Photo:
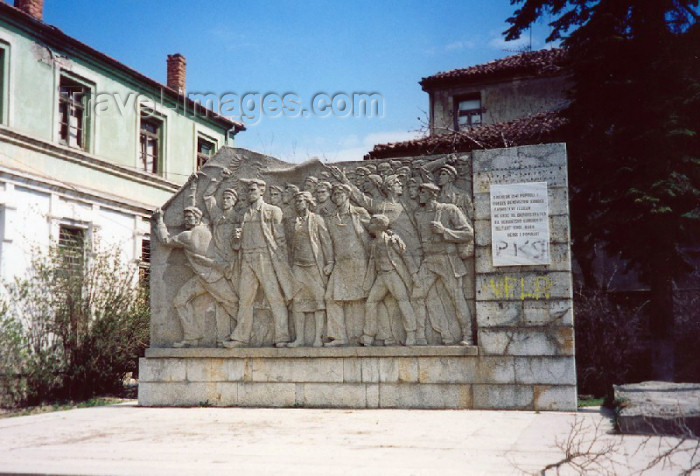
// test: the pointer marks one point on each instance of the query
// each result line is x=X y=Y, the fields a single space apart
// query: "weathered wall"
x=30 y=107
x=525 y=313
x=502 y=101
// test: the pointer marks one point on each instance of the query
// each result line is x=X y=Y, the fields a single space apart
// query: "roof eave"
x=59 y=39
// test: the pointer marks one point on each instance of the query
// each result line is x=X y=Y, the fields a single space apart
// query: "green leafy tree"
x=71 y=327
x=633 y=137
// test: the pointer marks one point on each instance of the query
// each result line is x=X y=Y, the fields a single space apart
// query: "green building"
x=88 y=146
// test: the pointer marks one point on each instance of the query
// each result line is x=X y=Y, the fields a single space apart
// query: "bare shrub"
x=610 y=341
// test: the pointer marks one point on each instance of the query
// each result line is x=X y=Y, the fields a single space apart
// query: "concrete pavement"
x=126 y=439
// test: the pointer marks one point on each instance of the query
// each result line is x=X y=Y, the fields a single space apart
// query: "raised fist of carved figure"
x=438 y=227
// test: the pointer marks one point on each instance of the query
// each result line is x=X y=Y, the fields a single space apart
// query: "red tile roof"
x=533 y=63
x=534 y=129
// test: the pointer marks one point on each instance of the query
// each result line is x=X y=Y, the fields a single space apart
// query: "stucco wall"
x=502 y=101
x=33 y=74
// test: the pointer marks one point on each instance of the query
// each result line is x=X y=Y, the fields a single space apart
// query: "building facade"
x=496 y=92
x=88 y=146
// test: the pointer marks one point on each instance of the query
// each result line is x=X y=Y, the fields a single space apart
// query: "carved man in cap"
x=449 y=193
x=264 y=263
x=442 y=227
x=344 y=294
x=324 y=204
x=388 y=273
x=208 y=277
x=224 y=221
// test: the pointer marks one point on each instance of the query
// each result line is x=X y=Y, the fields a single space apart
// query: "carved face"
x=255 y=191
x=228 y=201
x=339 y=197
x=444 y=177
x=322 y=194
x=275 y=196
x=426 y=195
x=309 y=185
x=287 y=195
x=190 y=219
x=301 y=205
x=384 y=168
x=396 y=188
x=368 y=187
x=413 y=190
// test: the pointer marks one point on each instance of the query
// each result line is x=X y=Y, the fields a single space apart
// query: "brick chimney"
x=177 y=67
x=34 y=8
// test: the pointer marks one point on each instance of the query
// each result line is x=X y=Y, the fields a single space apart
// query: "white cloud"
x=501 y=44
x=460 y=45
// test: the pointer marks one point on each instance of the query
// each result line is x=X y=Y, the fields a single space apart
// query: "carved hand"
x=338 y=174
x=157 y=214
x=328 y=269
x=438 y=227
x=226 y=172
x=398 y=244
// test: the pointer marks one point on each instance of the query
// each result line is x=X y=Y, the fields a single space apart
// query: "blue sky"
x=305 y=48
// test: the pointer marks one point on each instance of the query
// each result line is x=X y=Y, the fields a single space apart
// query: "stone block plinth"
x=347 y=377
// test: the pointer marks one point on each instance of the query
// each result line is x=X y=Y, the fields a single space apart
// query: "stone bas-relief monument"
x=365 y=284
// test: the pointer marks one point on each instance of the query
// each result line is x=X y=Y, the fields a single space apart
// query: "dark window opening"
x=205 y=149
x=71 y=246
x=72 y=98
x=468 y=112
x=2 y=86
x=145 y=263
x=150 y=144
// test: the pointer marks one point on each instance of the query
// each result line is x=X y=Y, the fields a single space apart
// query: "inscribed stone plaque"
x=519 y=224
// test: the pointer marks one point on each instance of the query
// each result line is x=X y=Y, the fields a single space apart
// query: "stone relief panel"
x=253 y=251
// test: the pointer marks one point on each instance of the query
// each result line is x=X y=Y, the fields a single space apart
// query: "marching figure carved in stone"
x=310 y=184
x=264 y=263
x=388 y=273
x=224 y=221
x=450 y=193
x=385 y=198
x=276 y=193
x=442 y=227
x=324 y=204
x=208 y=278
x=350 y=240
x=289 y=214
x=312 y=262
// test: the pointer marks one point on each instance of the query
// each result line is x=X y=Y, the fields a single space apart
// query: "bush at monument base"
x=71 y=328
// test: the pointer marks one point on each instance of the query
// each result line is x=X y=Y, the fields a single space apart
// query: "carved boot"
x=186 y=343
x=410 y=338
x=299 y=329
x=335 y=343
x=234 y=344
x=366 y=340
x=467 y=340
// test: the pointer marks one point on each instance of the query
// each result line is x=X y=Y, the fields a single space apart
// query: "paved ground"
x=126 y=439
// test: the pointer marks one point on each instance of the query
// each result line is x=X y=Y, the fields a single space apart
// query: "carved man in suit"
x=312 y=262
x=264 y=263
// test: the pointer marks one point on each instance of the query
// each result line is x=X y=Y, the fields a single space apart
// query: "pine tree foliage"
x=633 y=125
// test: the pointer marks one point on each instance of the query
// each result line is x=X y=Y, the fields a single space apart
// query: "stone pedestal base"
x=346 y=377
